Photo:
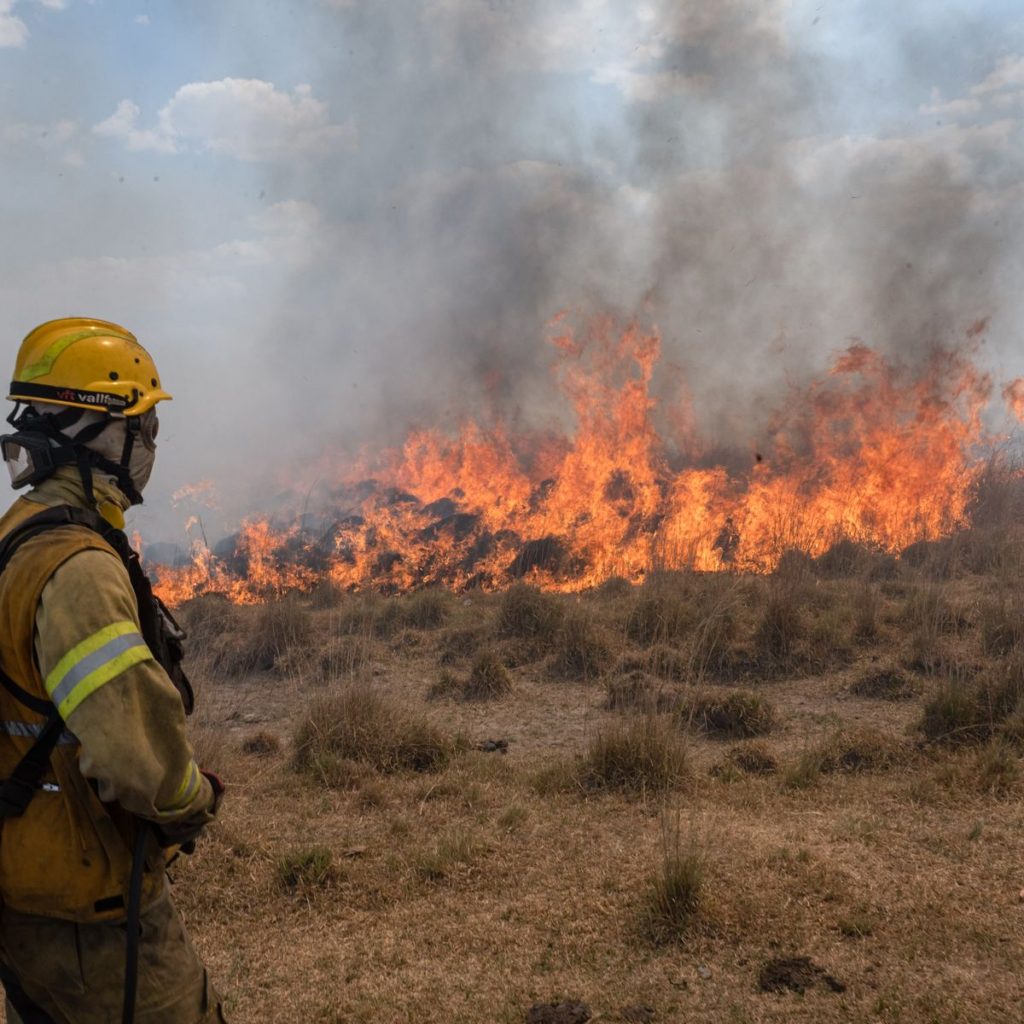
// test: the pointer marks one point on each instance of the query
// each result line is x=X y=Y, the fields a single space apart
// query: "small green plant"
x=306 y=870
x=457 y=849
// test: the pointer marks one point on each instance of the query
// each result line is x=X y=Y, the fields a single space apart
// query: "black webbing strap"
x=18 y=789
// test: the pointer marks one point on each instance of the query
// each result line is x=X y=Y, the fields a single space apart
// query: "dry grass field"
x=709 y=798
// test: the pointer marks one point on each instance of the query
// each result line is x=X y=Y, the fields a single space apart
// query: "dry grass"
x=737 y=714
x=643 y=754
x=357 y=725
x=580 y=652
x=495 y=881
x=488 y=678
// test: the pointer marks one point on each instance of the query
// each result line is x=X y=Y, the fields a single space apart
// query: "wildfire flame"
x=871 y=451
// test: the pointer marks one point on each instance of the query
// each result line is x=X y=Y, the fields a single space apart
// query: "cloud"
x=13 y=31
x=952 y=109
x=247 y=119
x=1009 y=74
x=142 y=19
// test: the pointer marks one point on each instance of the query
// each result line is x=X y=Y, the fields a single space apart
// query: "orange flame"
x=870 y=451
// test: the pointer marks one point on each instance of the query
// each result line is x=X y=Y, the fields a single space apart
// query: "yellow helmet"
x=86 y=364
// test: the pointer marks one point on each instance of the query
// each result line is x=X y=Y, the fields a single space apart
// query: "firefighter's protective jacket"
x=69 y=632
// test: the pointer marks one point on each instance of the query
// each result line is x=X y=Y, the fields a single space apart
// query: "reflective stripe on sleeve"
x=32 y=730
x=190 y=784
x=93 y=662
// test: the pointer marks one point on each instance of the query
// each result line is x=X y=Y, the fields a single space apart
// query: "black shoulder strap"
x=17 y=791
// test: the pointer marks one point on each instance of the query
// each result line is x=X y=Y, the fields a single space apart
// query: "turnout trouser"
x=59 y=972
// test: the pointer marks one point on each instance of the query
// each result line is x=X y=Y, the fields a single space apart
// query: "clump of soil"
x=565 y=1012
x=795 y=974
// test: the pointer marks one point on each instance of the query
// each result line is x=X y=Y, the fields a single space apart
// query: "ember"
x=871 y=452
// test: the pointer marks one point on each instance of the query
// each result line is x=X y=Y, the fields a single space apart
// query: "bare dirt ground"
x=500 y=888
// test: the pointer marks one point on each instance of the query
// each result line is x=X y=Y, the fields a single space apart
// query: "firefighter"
x=101 y=785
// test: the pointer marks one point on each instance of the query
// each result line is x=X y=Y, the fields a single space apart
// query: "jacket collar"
x=65 y=488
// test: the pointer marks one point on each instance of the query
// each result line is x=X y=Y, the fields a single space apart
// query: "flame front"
x=871 y=452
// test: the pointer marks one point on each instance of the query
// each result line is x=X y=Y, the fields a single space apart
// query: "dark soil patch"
x=795 y=974
x=565 y=1012
x=885 y=684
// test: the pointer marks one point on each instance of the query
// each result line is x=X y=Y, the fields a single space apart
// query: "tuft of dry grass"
x=644 y=754
x=261 y=744
x=280 y=628
x=636 y=690
x=488 y=678
x=658 y=616
x=885 y=683
x=580 y=652
x=781 y=625
x=976 y=709
x=752 y=758
x=357 y=725
x=529 y=614
x=737 y=714
x=673 y=895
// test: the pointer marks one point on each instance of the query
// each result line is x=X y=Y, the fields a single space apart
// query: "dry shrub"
x=360 y=726
x=614 y=588
x=219 y=634
x=887 y=683
x=208 y=617
x=448 y=685
x=738 y=714
x=673 y=895
x=488 y=678
x=306 y=870
x=261 y=744
x=580 y=651
x=843 y=560
x=795 y=567
x=643 y=754
x=714 y=631
x=829 y=639
x=658 y=616
x=280 y=627
x=529 y=614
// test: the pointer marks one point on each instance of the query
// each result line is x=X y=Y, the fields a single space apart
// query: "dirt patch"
x=565 y=1012
x=795 y=974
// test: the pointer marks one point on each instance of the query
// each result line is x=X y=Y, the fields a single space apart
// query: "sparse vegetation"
x=488 y=678
x=580 y=652
x=529 y=614
x=306 y=870
x=674 y=893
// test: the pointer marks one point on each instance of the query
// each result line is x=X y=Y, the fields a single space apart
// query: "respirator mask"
x=121 y=447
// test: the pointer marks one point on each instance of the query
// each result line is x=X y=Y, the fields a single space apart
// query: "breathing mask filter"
x=121 y=447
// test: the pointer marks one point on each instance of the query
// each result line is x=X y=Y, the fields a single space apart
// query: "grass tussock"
x=304 y=871
x=529 y=614
x=421 y=610
x=658 y=616
x=488 y=678
x=451 y=853
x=781 y=625
x=280 y=628
x=457 y=645
x=261 y=744
x=644 y=754
x=752 y=758
x=359 y=727
x=1002 y=625
x=972 y=710
x=580 y=652
x=637 y=691
x=885 y=683
x=673 y=897
x=738 y=714
x=845 y=752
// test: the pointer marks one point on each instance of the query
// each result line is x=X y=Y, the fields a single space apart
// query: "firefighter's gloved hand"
x=182 y=835
x=217 y=785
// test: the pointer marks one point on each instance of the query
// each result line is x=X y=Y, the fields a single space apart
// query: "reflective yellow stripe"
x=42 y=366
x=186 y=791
x=95 y=661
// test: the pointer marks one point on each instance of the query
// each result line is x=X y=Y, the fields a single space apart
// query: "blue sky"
x=330 y=219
